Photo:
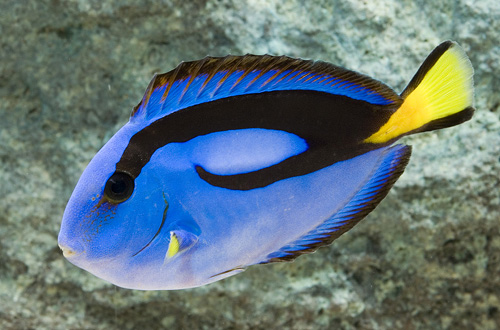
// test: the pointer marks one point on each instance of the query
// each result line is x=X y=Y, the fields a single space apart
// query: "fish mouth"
x=159 y=229
x=71 y=252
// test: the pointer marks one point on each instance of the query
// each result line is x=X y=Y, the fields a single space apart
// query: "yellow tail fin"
x=439 y=95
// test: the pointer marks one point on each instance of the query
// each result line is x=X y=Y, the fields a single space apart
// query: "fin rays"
x=213 y=78
x=391 y=167
x=440 y=95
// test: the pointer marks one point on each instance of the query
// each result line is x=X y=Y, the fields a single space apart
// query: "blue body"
x=222 y=230
x=237 y=228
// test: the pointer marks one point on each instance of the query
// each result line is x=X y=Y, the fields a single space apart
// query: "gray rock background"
x=70 y=72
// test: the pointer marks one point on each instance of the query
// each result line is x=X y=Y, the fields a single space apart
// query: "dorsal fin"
x=392 y=166
x=213 y=78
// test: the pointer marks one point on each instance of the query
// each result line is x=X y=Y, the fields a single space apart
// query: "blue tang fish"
x=233 y=161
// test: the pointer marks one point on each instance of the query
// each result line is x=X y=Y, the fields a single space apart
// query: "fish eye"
x=119 y=187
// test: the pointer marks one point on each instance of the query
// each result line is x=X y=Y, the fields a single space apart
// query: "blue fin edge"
x=365 y=200
x=213 y=78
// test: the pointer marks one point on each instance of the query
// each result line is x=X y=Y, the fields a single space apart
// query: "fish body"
x=242 y=160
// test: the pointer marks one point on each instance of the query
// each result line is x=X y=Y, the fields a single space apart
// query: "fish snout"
x=71 y=251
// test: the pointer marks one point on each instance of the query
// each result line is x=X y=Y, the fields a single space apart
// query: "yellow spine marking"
x=173 y=246
x=446 y=89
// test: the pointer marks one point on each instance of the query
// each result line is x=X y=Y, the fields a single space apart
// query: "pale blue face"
x=95 y=232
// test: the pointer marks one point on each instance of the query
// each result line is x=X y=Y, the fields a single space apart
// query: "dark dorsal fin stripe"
x=213 y=78
x=333 y=126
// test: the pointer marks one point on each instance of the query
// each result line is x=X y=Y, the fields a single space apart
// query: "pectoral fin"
x=180 y=240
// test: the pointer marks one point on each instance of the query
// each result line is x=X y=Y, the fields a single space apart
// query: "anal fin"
x=363 y=202
x=229 y=272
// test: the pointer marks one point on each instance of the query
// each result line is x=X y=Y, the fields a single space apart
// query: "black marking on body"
x=333 y=126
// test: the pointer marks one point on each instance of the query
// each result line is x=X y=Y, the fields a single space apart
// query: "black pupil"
x=119 y=187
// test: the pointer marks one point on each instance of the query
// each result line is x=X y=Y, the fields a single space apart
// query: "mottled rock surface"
x=70 y=72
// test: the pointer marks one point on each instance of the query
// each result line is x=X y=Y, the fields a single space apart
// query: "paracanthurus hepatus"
x=233 y=161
